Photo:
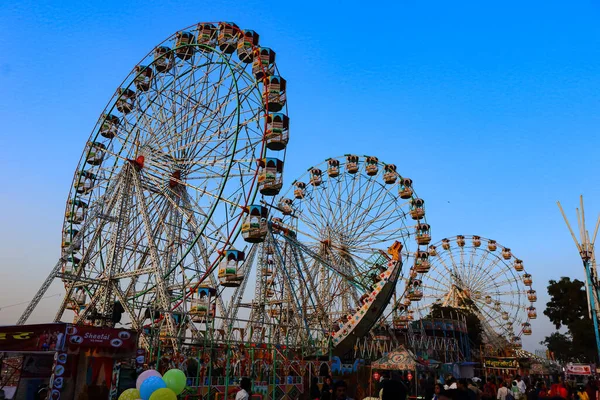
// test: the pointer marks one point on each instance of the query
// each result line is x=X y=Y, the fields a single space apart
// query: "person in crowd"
x=315 y=392
x=540 y=390
x=581 y=393
x=438 y=389
x=503 y=392
x=475 y=389
x=327 y=389
x=490 y=389
x=393 y=389
x=339 y=390
x=559 y=389
x=590 y=389
x=521 y=385
x=515 y=391
x=245 y=392
x=463 y=392
x=450 y=383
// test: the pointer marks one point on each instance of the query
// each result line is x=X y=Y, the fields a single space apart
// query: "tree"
x=568 y=308
x=560 y=345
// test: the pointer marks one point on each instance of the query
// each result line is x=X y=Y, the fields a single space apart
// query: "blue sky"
x=492 y=110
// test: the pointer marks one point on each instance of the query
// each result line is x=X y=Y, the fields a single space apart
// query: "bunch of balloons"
x=150 y=385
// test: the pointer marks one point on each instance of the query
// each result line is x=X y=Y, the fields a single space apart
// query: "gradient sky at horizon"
x=492 y=110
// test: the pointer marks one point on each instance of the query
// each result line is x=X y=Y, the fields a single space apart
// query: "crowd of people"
x=514 y=389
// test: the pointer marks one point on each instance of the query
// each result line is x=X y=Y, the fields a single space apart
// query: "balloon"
x=151 y=385
x=163 y=394
x=175 y=380
x=146 y=374
x=130 y=394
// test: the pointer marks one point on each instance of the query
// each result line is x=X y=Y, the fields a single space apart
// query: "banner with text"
x=501 y=363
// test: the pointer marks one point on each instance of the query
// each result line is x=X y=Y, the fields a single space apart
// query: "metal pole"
x=593 y=299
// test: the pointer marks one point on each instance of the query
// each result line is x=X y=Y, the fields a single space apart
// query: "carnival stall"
x=64 y=359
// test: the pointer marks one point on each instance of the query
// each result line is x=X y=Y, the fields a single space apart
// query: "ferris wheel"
x=478 y=275
x=169 y=176
x=338 y=221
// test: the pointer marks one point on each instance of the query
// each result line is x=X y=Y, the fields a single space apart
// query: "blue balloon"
x=151 y=385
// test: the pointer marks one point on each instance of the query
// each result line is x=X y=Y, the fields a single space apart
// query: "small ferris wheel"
x=478 y=275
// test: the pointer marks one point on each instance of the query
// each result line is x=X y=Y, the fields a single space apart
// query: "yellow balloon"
x=130 y=394
x=163 y=394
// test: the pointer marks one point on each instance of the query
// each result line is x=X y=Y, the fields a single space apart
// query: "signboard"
x=107 y=340
x=579 y=369
x=501 y=363
x=31 y=338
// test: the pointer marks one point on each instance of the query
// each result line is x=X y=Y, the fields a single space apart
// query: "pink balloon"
x=145 y=375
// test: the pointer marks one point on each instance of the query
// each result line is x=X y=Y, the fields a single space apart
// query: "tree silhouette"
x=568 y=308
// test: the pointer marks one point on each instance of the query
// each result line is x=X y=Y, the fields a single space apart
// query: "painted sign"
x=501 y=363
x=106 y=339
x=579 y=369
x=30 y=338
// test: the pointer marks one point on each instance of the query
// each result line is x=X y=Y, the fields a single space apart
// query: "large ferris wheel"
x=168 y=177
x=478 y=275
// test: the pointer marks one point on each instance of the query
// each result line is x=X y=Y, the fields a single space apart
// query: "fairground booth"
x=63 y=360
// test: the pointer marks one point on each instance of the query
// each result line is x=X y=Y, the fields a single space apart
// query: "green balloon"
x=163 y=394
x=130 y=394
x=175 y=380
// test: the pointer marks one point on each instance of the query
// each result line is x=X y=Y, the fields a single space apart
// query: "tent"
x=398 y=360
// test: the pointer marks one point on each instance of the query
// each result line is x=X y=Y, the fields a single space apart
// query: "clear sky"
x=491 y=107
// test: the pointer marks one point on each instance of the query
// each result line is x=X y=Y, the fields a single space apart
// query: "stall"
x=66 y=361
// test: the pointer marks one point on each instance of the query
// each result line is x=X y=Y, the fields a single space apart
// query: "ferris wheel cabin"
x=245 y=46
x=270 y=176
x=163 y=59
x=316 y=177
x=76 y=211
x=285 y=205
x=476 y=241
x=277 y=134
x=422 y=234
x=254 y=228
x=228 y=37
x=531 y=313
x=85 y=182
x=202 y=305
x=126 y=100
x=299 y=188
x=492 y=246
x=264 y=63
x=143 y=78
x=110 y=126
x=351 y=164
x=229 y=275
x=333 y=168
x=527 y=279
x=274 y=94
x=184 y=45
x=460 y=241
x=405 y=188
x=422 y=265
x=206 y=37
x=390 y=175
x=432 y=250
x=417 y=211
x=371 y=165
x=95 y=153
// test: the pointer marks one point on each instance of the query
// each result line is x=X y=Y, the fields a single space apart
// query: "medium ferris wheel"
x=168 y=177
x=344 y=219
x=478 y=275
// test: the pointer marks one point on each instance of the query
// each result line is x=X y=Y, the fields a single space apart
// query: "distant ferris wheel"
x=479 y=275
